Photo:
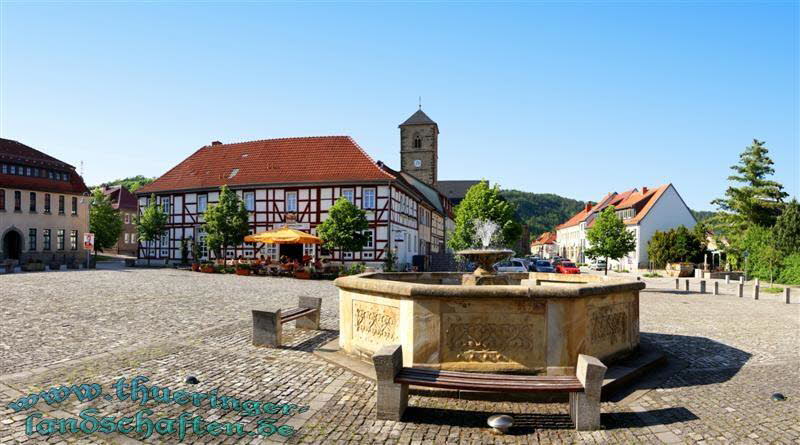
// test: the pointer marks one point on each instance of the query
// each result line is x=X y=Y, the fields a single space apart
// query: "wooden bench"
x=393 y=379
x=267 y=326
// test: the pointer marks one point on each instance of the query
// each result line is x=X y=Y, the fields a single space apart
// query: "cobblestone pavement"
x=727 y=356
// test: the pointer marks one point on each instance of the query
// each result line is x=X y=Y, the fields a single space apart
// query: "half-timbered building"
x=293 y=182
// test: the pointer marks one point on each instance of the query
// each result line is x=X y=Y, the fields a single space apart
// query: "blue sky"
x=577 y=99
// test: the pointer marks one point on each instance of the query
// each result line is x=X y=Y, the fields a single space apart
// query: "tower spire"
x=420 y=102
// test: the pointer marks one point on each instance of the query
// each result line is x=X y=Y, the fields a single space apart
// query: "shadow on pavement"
x=664 y=416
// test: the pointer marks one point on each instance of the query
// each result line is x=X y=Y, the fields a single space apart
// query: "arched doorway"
x=12 y=245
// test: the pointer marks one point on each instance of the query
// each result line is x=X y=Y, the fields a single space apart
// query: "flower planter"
x=33 y=267
x=680 y=269
x=243 y=272
x=207 y=269
x=195 y=267
x=302 y=275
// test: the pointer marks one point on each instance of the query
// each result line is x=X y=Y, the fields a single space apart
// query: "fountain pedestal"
x=484 y=274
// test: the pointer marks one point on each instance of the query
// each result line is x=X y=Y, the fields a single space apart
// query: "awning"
x=284 y=235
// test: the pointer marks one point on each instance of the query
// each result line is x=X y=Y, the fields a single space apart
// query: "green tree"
x=757 y=201
x=787 y=229
x=132 y=183
x=345 y=228
x=484 y=203
x=660 y=248
x=609 y=238
x=226 y=222
x=678 y=244
x=104 y=222
x=152 y=224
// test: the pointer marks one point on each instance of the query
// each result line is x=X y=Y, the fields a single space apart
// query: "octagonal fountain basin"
x=538 y=324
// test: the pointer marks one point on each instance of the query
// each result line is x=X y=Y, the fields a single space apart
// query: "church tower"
x=419 y=147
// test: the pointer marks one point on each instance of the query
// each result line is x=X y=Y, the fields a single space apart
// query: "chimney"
x=644 y=190
x=216 y=143
x=588 y=206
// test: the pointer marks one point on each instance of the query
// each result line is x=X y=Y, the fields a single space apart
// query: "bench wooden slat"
x=446 y=380
x=295 y=313
x=486 y=376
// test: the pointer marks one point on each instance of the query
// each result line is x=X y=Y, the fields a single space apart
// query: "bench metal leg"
x=267 y=328
x=584 y=408
x=392 y=397
x=310 y=321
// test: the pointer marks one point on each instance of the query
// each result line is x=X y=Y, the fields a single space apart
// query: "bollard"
x=727 y=279
x=716 y=288
x=758 y=282
x=786 y=293
x=677 y=284
x=687 y=285
x=741 y=280
x=741 y=290
x=702 y=286
x=755 y=292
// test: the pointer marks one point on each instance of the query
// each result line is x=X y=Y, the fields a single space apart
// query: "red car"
x=567 y=267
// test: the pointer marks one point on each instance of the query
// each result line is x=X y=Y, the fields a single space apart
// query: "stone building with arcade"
x=294 y=182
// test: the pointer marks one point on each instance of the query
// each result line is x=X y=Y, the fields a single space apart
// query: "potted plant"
x=303 y=273
x=184 y=252
x=243 y=269
x=195 y=256
x=207 y=268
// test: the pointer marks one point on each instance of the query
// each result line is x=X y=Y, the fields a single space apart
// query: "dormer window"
x=417 y=141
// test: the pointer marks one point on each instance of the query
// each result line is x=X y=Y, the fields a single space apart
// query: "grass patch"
x=652 y=275
x=772 y=290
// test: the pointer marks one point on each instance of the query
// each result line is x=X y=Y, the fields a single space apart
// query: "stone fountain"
x=531 y=323
x=485 y=258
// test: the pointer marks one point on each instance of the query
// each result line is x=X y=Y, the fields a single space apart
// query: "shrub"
x=772 y=290
x=791 y=270
x=652 y=275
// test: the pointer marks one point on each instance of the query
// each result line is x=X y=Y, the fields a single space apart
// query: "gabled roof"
x=271 y=161
x=13 y=152
x=545 y=238
x=642 y=201
x=418 y=118
x=455 y=190
x=121 y=198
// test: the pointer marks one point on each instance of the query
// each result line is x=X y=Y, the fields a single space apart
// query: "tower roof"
x=419 y=118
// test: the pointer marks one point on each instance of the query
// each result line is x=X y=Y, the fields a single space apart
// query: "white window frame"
x=127 y=238
x=350 y=195
x=370 y=244
x=291 y=201
x=202 y=203
x=165 y=205
x=250 y=201
x=368 y=198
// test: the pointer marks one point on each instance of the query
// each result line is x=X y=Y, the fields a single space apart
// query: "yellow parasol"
x=284 y=235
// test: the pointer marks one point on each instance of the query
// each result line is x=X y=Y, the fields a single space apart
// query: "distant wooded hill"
x=542 y=212
x=132 y=184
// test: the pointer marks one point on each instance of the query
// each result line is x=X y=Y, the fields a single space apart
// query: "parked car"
x=512 y=265
x=543 y=266
x=597 y=264
x=567 y=267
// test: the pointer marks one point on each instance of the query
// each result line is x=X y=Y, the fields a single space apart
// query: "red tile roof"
x=280 y=161
x=641 y=202
x=121 y=198
x=17 y=153
x=545 y=238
